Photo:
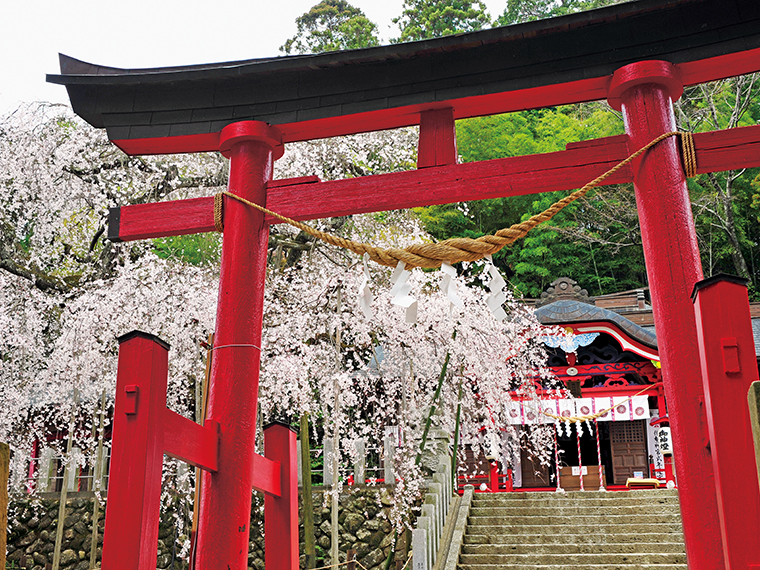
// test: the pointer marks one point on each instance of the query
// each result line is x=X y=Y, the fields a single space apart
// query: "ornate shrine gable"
x=569 y=312
x=611 y=352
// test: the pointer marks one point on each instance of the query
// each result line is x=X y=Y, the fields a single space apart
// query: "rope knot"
x=219 y=212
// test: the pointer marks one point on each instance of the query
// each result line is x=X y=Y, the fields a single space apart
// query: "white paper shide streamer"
x=448 y=285
x=498 y=296
x=365 y=293
x=400 y=292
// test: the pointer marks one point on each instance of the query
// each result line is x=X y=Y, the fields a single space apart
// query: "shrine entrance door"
x=629 y=450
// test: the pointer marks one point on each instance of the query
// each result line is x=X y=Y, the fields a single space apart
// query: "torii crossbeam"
x=637 y=55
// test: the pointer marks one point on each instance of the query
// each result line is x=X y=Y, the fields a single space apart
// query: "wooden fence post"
x=65 y=488
x=5 y=457
x=753 y=398
x=97 y=479
x=307 y=504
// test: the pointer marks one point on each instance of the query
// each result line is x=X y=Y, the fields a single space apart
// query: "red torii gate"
x=638 y=55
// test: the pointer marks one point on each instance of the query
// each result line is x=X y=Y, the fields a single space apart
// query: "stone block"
x=352 y=522
x=68 y=557
x=325 y=527
x=373 y=558
x=372 y=524
x=376 y=538
x=363 y=534
x=362 y=549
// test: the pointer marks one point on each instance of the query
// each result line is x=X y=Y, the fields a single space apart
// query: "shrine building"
x=611 y=362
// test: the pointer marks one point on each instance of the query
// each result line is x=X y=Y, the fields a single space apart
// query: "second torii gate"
x=638 y=55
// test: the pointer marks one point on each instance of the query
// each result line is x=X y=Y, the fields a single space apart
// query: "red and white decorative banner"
x=531 y=412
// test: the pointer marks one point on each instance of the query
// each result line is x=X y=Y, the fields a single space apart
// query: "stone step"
x=591 y=530
x=578 y=509
x=506 y=529
x=571 y=520
x=646 y=496
x=574 y=548
x=529 y=495
x=532 y=560
x=605 y=566
x=565 y=538
x=525 y=499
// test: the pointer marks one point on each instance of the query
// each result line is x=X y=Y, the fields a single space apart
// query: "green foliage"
x=518 y=11
x=423 y=19
x=604 y=256
x=582 y=242
x=725 y=204
x=196 y=249
x=332 y=25
x=756 y=197
x=717 y=251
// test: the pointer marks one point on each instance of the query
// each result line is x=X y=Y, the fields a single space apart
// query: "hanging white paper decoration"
x=498 y=296
x=400 y=292
x=448 y=285
x=365 y=293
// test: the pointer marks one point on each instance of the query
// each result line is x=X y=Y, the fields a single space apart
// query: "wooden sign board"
x=572 y=482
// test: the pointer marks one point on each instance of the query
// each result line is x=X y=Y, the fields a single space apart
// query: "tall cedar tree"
x=423 y=19
x=332 y=25
x=518 y=11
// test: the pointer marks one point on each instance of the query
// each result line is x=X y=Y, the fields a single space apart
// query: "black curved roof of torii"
x=475 y=73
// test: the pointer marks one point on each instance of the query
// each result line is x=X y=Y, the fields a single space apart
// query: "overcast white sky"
x=149 y=33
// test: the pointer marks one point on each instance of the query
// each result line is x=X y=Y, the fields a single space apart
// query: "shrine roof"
x=537 y=64
x=568 y=311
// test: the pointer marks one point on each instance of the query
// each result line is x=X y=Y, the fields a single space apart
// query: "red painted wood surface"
x=731 y=149
x=179 y=217
x=727 y=357
x=281 y=513
x=163 y=219
x=673 y=267
x=592 y=89
x=130 y=540
x=438 y=141
x=225 y=505
x=266 y=475
x=306 y=198
x=190 y=442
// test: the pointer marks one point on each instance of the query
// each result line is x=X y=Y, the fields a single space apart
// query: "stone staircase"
x=634 y=530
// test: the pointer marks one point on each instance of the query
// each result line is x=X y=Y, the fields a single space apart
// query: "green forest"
x=595 y=241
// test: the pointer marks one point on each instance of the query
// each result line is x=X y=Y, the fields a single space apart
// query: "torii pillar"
x=225 y=506
x=645 y=92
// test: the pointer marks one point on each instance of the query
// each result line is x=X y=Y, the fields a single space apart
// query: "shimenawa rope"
x=454 y=250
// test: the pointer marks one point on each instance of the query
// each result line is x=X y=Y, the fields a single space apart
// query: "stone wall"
x=32 y=530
